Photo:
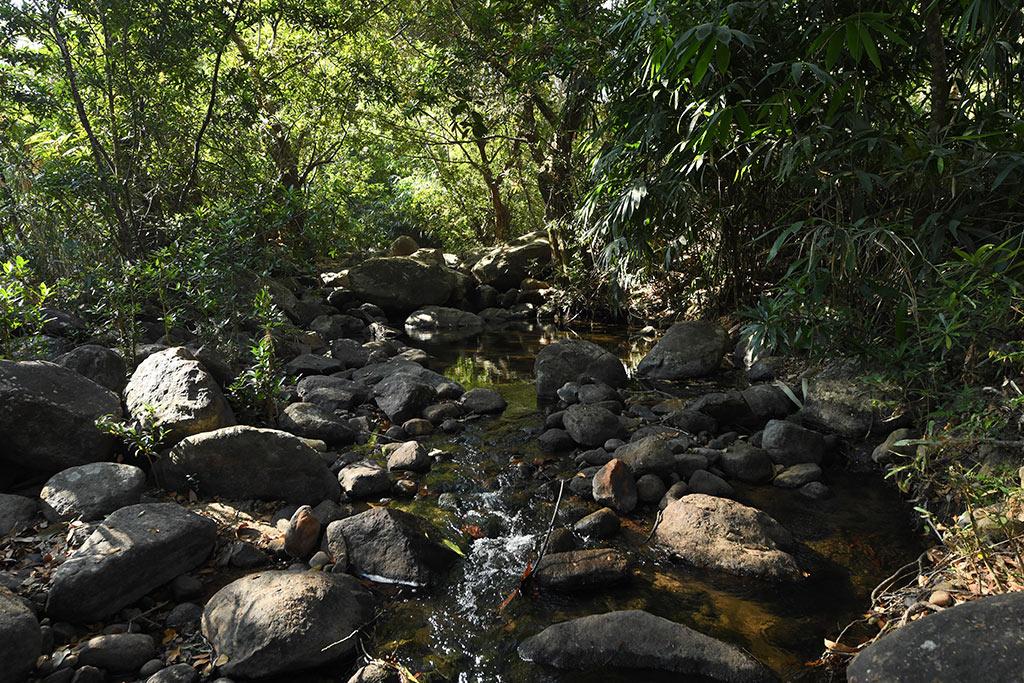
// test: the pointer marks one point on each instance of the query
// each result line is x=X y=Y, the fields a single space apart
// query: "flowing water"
x=485 y=494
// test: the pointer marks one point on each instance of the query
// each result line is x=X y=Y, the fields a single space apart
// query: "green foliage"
x=21 y=308
x=258 y=388
x=142 y=438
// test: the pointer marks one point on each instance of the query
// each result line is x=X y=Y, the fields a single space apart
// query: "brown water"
x=457 y=632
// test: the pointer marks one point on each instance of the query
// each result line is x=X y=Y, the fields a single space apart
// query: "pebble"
x=302 y=533
x=123 y=652
x=941 y=598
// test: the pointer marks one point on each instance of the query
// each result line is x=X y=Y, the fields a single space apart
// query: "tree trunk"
x=939 y=75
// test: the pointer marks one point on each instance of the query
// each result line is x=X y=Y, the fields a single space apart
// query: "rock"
x=556 y=441
x=409 y=456
x=404 y=245
x=976 y=640
x=311 y=421
x=336 y=326
x=312 y=364
x=674 y=493
x=243 y=462
x=651 y=454
x=639 y=640
x=766 y=369
x=177 y=673
x=590 y=425
x=710 y=484
x=687 y=350
x=614 y=486
x=686 y=464
x=375 y=672
x=171 y=388
x=582 y=569
x=91 y=491
x=437 y=413
x=442 y=318
x=599 y=525
x=482 y=401
x=48 y=417
x=335 y=547
x=186 y=587
x=747 y=463
x=723 y=535
x=815 y=491
x=887 y=451
x=364 y=480
x=302 y=533
x=403 y=396
x=104 y=366
x=399 y=284
x=89 y=674
x=391 y=546
x=245 y=555
x=691 y=421
x=16 y=513
x=842 y=400
x=790 y=444
x=350 y=353
x=597 y=392
x=118 y=652
x=20 y=639
x=278 y=622
x=650 y=489
x=572 y=360
x=136 y=549
x=941 y=598
x=417 y=427
x=331 y=393
x=507 y=265
x=797 y=475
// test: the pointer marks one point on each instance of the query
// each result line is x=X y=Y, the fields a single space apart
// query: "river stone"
x=687 y=350
x=117 y=652
x=16 y=513
x=433 y=318
x=691 y=421
x=184 y=397
x=978 y=640
x=136 y=549
x=48 y=417
x=336 y=326
x=409 y=456
x=350 y=353
x=280 y=622
x=840 y=399
x=790 y=444
x=176 y=673
x=242 y=463
x=720 y=534
x=403 y=396
x=311 y=421
x=650 y=489
x=556 y=441
x=651 y=454
x=796 y=476
x=590 y=425
x=746 y=463
x=104 y=366
x=506 y=266
x=437 y=413
x=710 y=484
x=391 y=546
x=91 y=491
x=399 y=284
x=635 y=639
x=331 y=393
x=574 y=359
x=582 y=569
x=20 y=639
x=481 y=401
x=364 y=480
x=301 y=533
x=309 y=364
x=614 y=486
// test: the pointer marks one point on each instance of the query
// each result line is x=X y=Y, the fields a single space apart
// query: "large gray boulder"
x=403 y=395
x=651 y=454
x=574 y=359
x=245 y=462
x=20 y=639
x=104 y=366
x=16 y=512
x=48 y=417
x=633 y=639
x=507 y=265
x=790 y=444
x=978 y=640
x=135 y=550
x=278 y=622
x=91 y=491
x=391 y=546
x=332 y=393
x=592 y=425
x=400 y=284
x=687 y=350
x=173 y=390
x=312 y=421
x=721 y=534
x=842 y=399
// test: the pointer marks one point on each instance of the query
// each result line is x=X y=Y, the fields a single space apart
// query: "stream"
x=486 y=494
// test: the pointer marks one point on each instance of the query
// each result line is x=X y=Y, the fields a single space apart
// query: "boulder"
x=639 y=640
x=91 y=491
x=615 y=487
x=710 y=484
x=481 y=401
x=332 y=393
x=978 y=640
x=136 y=549
x=746 y=463
x=20 y=639
x=723 y=535
x=311 y=421
x=404 y=395
x=600 y=525
x=16 y=513
x=790 y=444
x=556 y=441
x=572 y=360
x=171 y=388
x=507 y=265
x=245 y=462
x=364 y=480
x=590 y=425
x=409 y=456
x=400 y=285
x=582 y=569
x=104 y=366
x=301 y=533
x=687 y=350
x=841 y=399
x=434 y=318
x=117 y=652
x=276 y=623
x=691 y=421
x=797 y=476
x=48 y=417
x=350 y=353
x=651 y=454
x=336 y=326
x=307 y=364
x=404 y=245
x=650 y=489
x=391 y=546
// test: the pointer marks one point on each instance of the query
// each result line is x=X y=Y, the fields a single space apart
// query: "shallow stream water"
x=484 y=493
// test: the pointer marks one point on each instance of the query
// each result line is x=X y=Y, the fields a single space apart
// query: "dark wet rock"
x=409 y=456
x=20 y=639
x=91 y=491
x=887 y=451
x=842 y=400
x=710 y=484
x=336 y=326
x=400 y=284
x=594 y=456
x=311 y=421
x=244 y=462
x=723 y=441
x=582 y=569
x=720 y=534
x=600 y=525
x=597 y=392
x=118 y=652
x=638 y=640
x=16 y=513
x=981 y=639
x=687 y=350
x=651 y=454
x=89 y=674
x=747 y=463
x=766 y=402
x=173 y=389
x=482 y=401
x=582 y=485
x=571 y=360
x=674 y=493
x=688 y=463
x=136 y=549
x=797 y=475
x=815 y=490
x=176 y=673
x=554 y=420
x=556 y=441
x=790 y=444
x=312 y=364
x=48 y=416
x=364 y=480
x=437 y=413
x=569 y=393
x=328 y=511
x=392 y=546
x=279 y=622
x=590 y=425
x=507 y=265
x=104 y=366
x=442 y=318
x=245 y=555
x=650 y=489
x=615 y=487
x=403 y=396
x=302 y=533
x=332 y=393
x=726 y=408
x=418 y=427
x=350 y=353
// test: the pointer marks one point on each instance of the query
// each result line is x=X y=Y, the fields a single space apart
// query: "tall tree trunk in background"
x=937 y=54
